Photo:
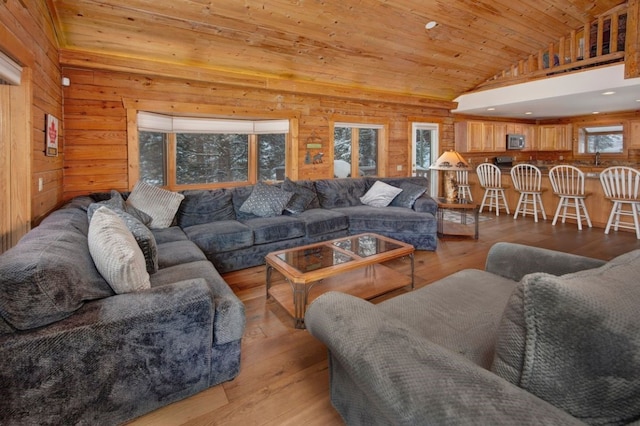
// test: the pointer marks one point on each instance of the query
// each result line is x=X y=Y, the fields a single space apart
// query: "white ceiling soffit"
x=569 y=95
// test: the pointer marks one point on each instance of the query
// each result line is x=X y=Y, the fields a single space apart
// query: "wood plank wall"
x=95 y=145
x=27 y=35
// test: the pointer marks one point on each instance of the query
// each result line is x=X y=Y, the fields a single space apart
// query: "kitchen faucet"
x=597 y=158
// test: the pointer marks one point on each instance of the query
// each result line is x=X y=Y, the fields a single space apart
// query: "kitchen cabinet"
x=491 y=136
x=554 y=137
x=634 y=135
x=480 y=136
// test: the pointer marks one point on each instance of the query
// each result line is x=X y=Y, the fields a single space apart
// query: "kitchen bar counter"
x=598 y=207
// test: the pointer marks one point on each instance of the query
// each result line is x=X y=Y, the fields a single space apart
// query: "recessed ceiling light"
x=595 y=112
x=528 y=113
x=491 y=109
x=610 y=92
x=431 y=25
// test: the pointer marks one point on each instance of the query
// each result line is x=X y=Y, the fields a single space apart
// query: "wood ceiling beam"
x=147 y=68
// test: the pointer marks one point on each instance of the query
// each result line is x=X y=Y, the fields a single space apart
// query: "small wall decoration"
x=52 y=131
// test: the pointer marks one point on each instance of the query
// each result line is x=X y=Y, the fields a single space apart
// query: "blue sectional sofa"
x=77 y=349
x=232 y=239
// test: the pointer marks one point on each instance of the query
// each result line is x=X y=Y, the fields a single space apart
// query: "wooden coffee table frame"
x=364 y=277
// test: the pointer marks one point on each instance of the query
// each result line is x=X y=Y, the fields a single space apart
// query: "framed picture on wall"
x=52 y=132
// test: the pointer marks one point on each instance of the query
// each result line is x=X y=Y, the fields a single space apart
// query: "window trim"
x=133 y=106
x=356 y=123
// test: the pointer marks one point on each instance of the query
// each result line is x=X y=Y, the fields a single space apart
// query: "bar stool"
x=621 y=185
x=464 y=189
x=527 y=180
x=568 y=184
x=490 y=178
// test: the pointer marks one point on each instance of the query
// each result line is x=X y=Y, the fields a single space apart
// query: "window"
x=356 y=149
x=602 y=139
x=181 y=151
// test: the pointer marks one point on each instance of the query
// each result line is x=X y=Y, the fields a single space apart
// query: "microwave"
x=515 y=141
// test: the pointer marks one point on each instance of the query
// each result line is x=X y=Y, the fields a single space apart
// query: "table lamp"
x=450 y=162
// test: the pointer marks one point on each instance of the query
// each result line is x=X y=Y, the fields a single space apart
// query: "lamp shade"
x=450 y=160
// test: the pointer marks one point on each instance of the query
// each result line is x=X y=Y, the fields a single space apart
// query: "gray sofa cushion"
x=276 y=228
x=387 y=219
x=322 y=221
x=47 y=277
x=345 y=192
x=460 y=312
x=220 y=236
x=165 y=235
x=178 y=252
x=574 y=340
x=205 y=206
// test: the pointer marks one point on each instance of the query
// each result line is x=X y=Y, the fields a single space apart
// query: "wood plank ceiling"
x=371 y=44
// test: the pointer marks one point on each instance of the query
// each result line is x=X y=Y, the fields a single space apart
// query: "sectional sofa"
x=320 y=210
x=114 y=305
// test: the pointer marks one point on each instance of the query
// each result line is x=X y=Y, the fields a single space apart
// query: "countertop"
x=590 y=171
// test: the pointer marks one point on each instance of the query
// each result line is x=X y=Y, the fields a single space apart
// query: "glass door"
x=424 y=151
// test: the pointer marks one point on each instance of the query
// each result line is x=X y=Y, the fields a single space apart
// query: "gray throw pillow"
x=143 y=235
x=115 y=252
x=410 y=193
x=574 y=340
x=116 y=201
x=301 y=199
x=158 y=203
x=380 y=194
x=266 y=200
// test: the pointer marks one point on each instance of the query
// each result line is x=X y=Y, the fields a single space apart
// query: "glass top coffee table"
x=350 y=264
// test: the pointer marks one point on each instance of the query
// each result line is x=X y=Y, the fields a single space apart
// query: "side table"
x=462 y=208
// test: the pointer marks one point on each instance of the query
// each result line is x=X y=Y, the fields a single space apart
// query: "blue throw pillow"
x=301 y=199
x=410 y=193
x=266 y=200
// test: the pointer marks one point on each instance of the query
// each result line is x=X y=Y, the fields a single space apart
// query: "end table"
x=460 y=206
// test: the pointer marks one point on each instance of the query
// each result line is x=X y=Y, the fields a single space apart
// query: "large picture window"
x=356 y=149
x=601 y=139
x=179 y=151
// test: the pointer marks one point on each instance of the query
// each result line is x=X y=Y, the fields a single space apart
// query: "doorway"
x=15 y=145
x=424 y=151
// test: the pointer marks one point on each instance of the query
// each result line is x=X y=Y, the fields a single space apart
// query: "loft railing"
x=597 y=43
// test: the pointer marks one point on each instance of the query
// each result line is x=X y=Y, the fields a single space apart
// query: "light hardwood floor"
x=284 y=378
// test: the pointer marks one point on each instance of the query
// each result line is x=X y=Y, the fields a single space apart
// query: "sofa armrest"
x=514 y=261
x=381 y=373
x=426 y=204
x=120 y=356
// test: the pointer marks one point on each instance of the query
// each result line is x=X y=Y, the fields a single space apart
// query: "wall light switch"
x=399 y=167
x=40 y=184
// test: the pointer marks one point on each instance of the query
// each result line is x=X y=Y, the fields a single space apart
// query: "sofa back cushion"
x=344 y=192
x=574 y=340
x=49 y=274
x=201 y=206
